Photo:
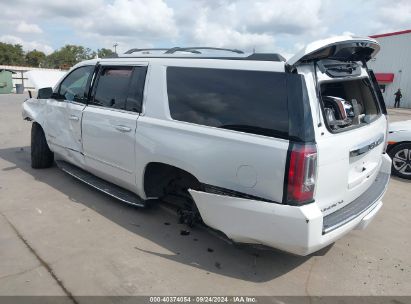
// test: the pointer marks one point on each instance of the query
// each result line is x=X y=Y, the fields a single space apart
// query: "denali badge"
x=367 y=147
x=332 y=206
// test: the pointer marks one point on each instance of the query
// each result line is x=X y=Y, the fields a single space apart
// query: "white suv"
x=288 y=154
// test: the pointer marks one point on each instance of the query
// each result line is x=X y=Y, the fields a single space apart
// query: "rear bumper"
x=354 y=209
x=299 y=230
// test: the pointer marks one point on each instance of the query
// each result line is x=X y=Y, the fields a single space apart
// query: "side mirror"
x=44 y=93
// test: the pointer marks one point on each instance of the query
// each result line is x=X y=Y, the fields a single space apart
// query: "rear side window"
x=248 y=101
x=135 y=96
x=112 y=87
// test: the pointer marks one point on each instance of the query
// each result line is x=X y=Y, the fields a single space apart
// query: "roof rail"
x=195 y=50
x=131 y=51
x=171 y=53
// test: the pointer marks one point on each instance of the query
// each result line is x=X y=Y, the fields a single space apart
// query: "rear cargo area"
x=348 y=104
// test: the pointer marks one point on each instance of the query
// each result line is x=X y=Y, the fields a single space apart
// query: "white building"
x=392 y=66
x=33 y=78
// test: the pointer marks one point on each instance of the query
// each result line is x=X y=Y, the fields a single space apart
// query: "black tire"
x=41 y=155
x=401 y=160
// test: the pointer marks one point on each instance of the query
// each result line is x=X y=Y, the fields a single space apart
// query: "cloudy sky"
x=266 y=25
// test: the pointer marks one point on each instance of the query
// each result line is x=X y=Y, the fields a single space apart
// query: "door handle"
x=123 y=128
x=73 y=117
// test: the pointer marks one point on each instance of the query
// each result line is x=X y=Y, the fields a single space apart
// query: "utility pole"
x=115 y=47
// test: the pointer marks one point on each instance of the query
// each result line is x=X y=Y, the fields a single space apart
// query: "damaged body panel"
x=35 y=110
x=269 y=224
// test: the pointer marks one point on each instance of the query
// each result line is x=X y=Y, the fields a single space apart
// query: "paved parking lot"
x=61 y=237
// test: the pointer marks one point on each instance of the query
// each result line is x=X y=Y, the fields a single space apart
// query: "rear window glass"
x=247 y=101
x=112 y=87
x=348 y=104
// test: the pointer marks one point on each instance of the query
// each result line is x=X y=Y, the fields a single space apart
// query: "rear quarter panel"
x=243 y=162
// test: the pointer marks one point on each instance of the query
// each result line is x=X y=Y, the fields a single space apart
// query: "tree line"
x=63 y=58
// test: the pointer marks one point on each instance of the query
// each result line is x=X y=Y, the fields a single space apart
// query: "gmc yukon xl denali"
x=287 y=154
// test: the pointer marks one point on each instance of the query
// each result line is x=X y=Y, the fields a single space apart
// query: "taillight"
x=302 y=174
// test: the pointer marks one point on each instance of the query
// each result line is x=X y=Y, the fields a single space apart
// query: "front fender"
x=400 y=136
x=35 y=110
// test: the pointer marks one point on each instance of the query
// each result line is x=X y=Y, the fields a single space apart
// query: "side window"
x=135 y=96
x=112 y=87
x=75 y=86
x=247 y=101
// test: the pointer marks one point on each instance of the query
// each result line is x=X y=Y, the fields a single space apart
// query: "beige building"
x=392 y=66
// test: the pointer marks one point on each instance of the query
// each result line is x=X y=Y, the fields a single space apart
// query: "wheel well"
x=37 y=123
x=160 y=177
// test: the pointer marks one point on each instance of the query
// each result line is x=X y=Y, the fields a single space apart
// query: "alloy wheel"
x=402 y=161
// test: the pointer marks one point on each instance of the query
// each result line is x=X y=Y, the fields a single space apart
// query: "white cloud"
x=267 y=25
x=27 y=45
x=290 y=17
x=130 y=18
x=49 y=9
x=395 y=15
x=213 y=34
x=249 y=24
x=28 y=28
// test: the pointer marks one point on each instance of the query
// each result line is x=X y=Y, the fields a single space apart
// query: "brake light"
x=302 y=174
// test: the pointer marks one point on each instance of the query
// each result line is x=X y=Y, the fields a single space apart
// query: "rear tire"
x=401 y=160
x=41 y=155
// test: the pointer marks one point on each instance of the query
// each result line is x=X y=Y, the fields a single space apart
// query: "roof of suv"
x=212 y=57
x=201 y=52
x=203 y=62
